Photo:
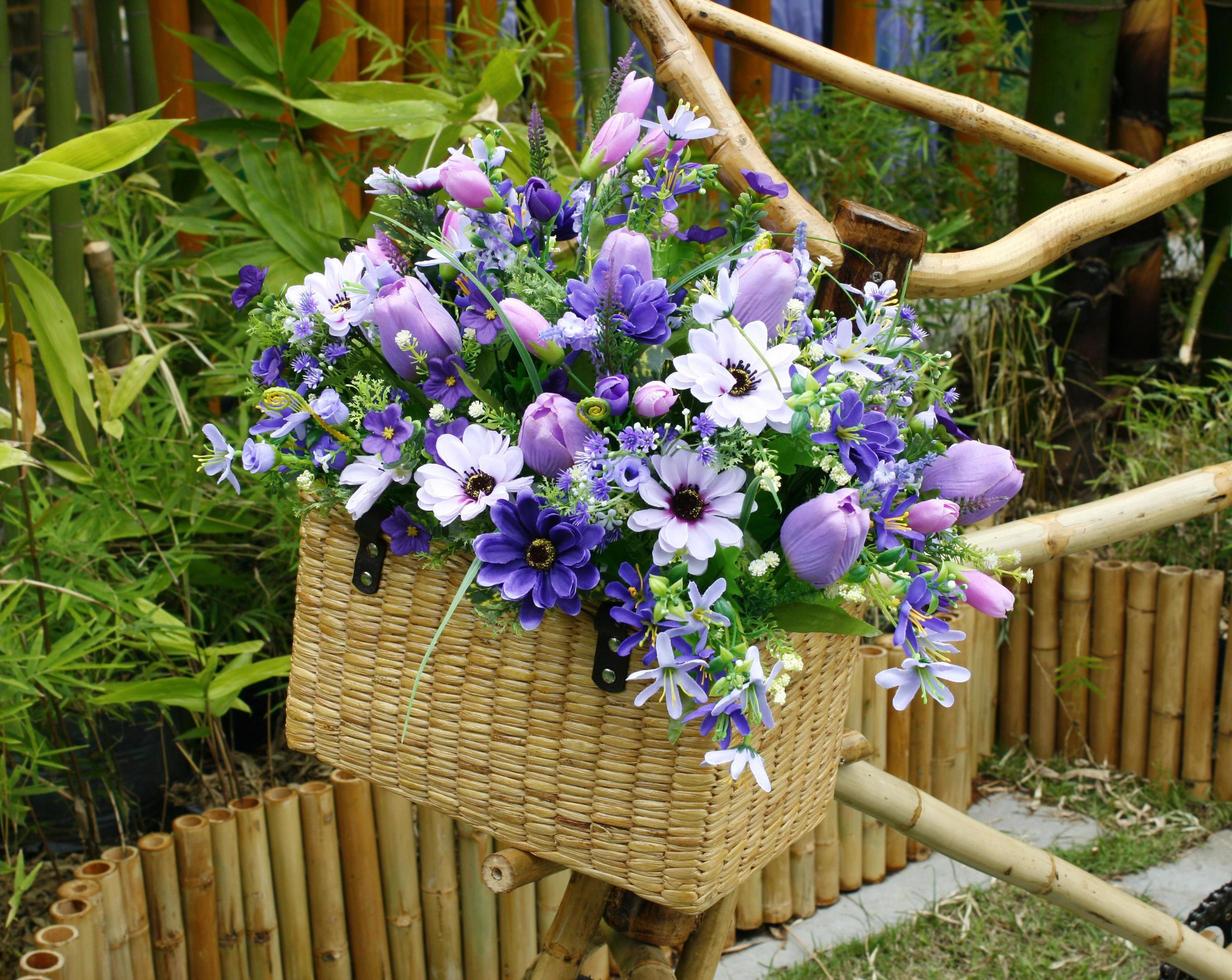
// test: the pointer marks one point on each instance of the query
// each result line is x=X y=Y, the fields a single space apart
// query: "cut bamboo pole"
x=985 y=670
x=361 y=875
x=637 y=961
x=511 y=868
x=43 y=963
x=1139 y=649
x=257 y=876
x=1163 y=760
x=331 y=956
x=749 y=902
x=571 y=932
x=88 y=954
x=195 y=864
x=951 y=732
x=855 y=30
x=1077 y=575
x=751 y=74
x=597 y=964
x=1108 y=649
x=851 y=822
x=426 y=21
x=920 y=757
x=803 y=882
x=228 y=894
x=776 y=890
x=648 y=922
x=286 y=839
x=395 y=834
x=699 y=960
x=1015 y=676
x=66 y=940
x=898 y=742
x=1223 y=748
x=593 y=60
x=438 y=888
x=342 y=145
x=825 y=860
x=519 y=932
x=127 y=860
x=1036 y=871
x=1201 y=670
x=480 y=953
x=548 y=893
x=558 y=82
x=873 y=712
x=162 y=899
x=93 y=926
x=173 y=60
x=388 y=17
x=1045 y=647
x=115 y=920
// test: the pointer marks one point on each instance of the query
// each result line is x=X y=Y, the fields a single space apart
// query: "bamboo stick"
x=43 y=963
x=873 y=712
x=480 y=953
x=825 y=860
x=548 y=893
x=1223 y=759
x=1077 y=576
x=115 y=920
x=855 y=30
x=511 y=868
x=343 y=147
x=1045 y=647
x=1036 y=871
x=1108 y=648
x=93 y=927
x=749 y=903
x=438 y=889
x=699 y=960
x=985 y=671
x=851 y=822
x=898 y=742
x=395 y=834
x=261 y=935
x=570 y=935
x=387 y=16
x=920 y=757
x=286 y=838
x=330 y=954
x=637 y=961
x=195 y=864
x=1163 y=760
x=88 y=954
x=951 y=732
x=558 y=77
x=426 y=22
x=518 y=929
x=648 y=922
x=100 y=264
x=593 y=61
x=803 y=881
x=173 y=60
x=1014 y=679
x=127 y=860
x=228 y=894
x=66 y=940
x=1201 y=670
x=751 y=74
x=597 y=964
x=162 y=898
x=1140 y=606
x=361 y=875
x=776 y=902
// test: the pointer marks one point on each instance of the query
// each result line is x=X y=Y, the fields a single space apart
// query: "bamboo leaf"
x=68 y=470
x=297 y=45
x=239 y=674
x=810 y=617
x=420 y=116
x=225 y=183
x=104 y=388
x=384 y=91
x=135 y=377
x=245 y=30
x=322 y=62
x=501 y=78
x=241 y=99
x=170 y=692
x=11 y=456
x=223 y=58
x=230 y=132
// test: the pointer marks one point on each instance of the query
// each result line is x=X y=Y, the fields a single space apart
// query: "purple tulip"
x=530 y=324
x=258 y=457
x=468 y=185
x=411 y=306
x=930 y=516
x=552 y=434
x=541 y=200
x=614 y=388
x=622 y=249
x=985 y=594
x=634 y=94
x=822 y=539
x=980 y=478
x=651 y=146
x=252 y=278
x=653 y=399
x=614 y=139
x=268 y=367
x=766 y=282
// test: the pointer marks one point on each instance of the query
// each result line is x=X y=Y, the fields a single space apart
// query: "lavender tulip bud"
x=468 y=185
x=930 y=516
x=822 y=539
x=408 y=305
x=541 y=200
x=985 y=594
x=651 y=146
x=614 y=139
x=980 y=478
x=634 y=94
x=258 y=457
x=653 y=399
x=766 y=283
x=622 y=249
x=614 y=389
x=551 y=434
x=529 y=324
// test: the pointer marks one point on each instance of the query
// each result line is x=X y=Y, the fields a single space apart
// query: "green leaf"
x=322 y=62
x=241 y=99
x=165 y=631
x=136 y=374
x=225 y=183
x=11 y=456
x=245 y=30
x=223 y=58
x=59 y=347
x=297 y=45
x=287 y=230
x=501 y=79
x=238 y=675
x=810 y=617
x=170 y=692
x=230 y=132
x=68 y=470
x=409 y=119
x=383 y=91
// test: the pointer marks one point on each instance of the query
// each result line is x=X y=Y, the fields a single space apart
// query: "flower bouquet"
x=558 y=400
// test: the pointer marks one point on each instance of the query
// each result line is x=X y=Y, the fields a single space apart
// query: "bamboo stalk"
x=1163 y=759
x=518 y=929
x=88 y=954
x=637 y=961
x=1223 y=748
x=127 y=860
x=751 y=74
x=342 y=146
x=898 y=763
x=1045 y=647
x=1201 y=670
x=387 y=16
x=570 y=935
x=749 y=903
x=100 y=264
x=851 y=822
x=558 y=77
x=109 y=898
x=117 y=89
x=984 y=674
x=1014 y=679
x=1036 y=871
x=228 y=894
x=776 y=904
x=511 y=868
x=873 y=713
x=67 y=942
x=548 y=893
x=855 y=30
x=803 y=882
x=286 y=839
x=480 y=953
x=1140 y=606
x=594 y=62
x=825 y=860
x=361 y=875
x=10 y=232
x=395 y=834
x=920 y=757
x=1108 y=647
x=162 y=898
x=195 y=864
x=1077 y=576
x=438 y=889
x=173 y=61
x=261 y=935
x=597 y=964
x=951 y=733
x=699 y=960
x=330 y=953
x=42 y=963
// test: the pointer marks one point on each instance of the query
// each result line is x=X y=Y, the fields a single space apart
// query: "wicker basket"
x=510 y=734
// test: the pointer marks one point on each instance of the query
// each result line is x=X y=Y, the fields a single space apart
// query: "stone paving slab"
x=1179 y=886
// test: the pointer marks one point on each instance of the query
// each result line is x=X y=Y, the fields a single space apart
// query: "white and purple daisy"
x=342 y=293
x=671 y=676
x=217 y=462
x=738 y=759
x=474 y=472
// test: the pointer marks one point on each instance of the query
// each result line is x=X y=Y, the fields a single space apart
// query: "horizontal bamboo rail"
x=953 y=833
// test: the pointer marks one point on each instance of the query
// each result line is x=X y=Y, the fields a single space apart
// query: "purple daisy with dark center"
x=537 y=557
x=388 y=431
x=444 y=383
x=406 y=535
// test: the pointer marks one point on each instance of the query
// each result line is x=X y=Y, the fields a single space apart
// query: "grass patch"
x=999 y=931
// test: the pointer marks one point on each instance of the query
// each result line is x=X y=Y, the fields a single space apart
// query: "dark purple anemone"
x=764 y=183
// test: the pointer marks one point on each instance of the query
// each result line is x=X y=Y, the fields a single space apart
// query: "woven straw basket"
x=510 y=734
